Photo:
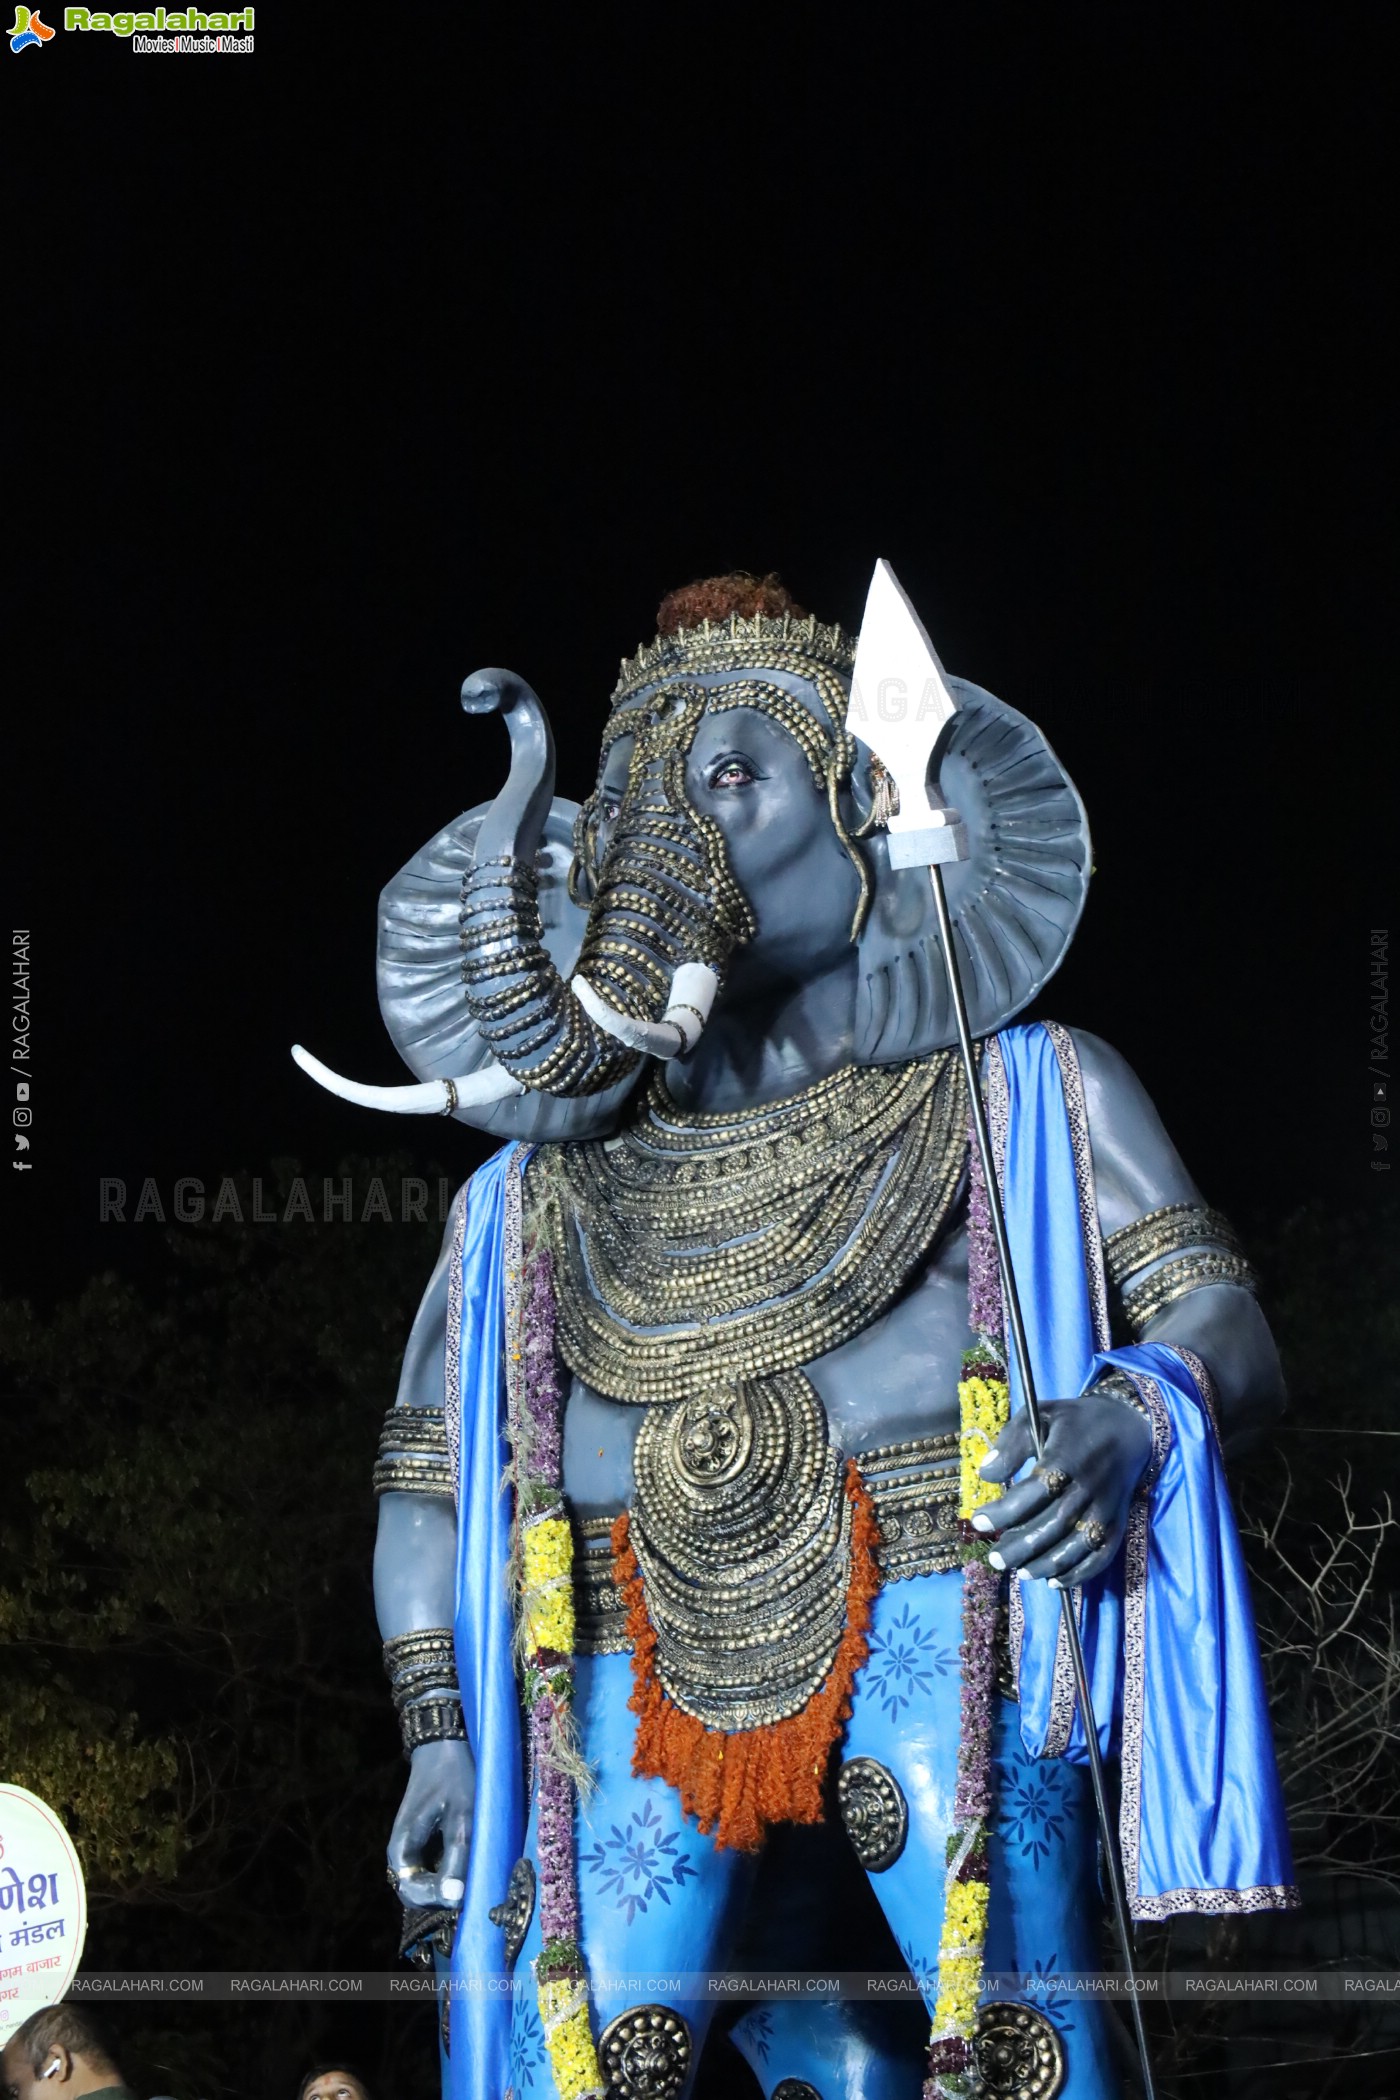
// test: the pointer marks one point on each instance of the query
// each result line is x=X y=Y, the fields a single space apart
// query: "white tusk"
x=693 y=991
x=431 y=1097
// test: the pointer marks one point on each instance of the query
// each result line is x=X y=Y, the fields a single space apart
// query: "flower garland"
x=544 y=1571
x=984 y=1404
x=543 y=1554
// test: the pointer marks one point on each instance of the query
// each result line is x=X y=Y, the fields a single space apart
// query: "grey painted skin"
x=784 y=1020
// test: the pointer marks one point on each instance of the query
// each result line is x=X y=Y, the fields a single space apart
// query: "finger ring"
x=1055 y=1481
x=1094 y=1533
x=393 y=1878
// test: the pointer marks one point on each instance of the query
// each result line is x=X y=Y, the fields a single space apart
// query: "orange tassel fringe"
x=736 y=1785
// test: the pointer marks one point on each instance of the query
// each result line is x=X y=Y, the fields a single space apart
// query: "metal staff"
x=897 y=669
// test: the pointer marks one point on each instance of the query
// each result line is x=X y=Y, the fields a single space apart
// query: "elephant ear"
x=1014 y=902
x=420 y=975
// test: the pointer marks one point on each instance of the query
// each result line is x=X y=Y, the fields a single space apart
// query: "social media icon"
x=23 y=1143
x=24 y=1115
x=1378 y=1090
x=22 y=1166
x=1379 y=1117
x=21 y=1090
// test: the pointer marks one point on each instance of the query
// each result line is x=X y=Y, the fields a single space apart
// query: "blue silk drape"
x=1168 y=1631
x=478 y=2067
x=1203 y=1812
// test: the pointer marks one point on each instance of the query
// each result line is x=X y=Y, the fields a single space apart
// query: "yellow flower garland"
x=547 y=1591
x=569 y=2038
x=984 y=1406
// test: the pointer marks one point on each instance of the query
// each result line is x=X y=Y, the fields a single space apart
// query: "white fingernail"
x=981 y=1522
x=994 y=1560
x=1022 y=1575
x=1055 y=1583
x=453 y=1890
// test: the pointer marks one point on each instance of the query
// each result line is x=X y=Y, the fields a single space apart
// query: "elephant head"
x=535 y=955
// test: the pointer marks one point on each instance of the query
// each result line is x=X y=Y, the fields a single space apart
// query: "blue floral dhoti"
x=660 y=1904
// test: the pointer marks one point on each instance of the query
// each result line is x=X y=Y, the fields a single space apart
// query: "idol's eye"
x=732 y=773
x=610 y=809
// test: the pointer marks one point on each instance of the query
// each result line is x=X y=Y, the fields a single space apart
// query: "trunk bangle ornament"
x=670 y=1036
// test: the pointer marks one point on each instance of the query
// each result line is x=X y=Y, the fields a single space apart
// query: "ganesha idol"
x=709 y=1504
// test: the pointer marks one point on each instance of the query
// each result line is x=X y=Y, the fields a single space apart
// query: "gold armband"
x=1163 y=1233
x=1185 y=1246
x=413 y=1455
x=1146 y=1300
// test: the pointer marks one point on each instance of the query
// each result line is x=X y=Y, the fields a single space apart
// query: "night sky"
x=425 y=340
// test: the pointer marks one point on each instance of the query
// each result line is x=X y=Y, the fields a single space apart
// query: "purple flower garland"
x=984 y=1307
x=546 y=1578
x=544 y=1395
x=555 y=1838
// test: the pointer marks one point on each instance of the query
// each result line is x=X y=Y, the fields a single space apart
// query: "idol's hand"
x=438 y=1802
x=1065 y=1520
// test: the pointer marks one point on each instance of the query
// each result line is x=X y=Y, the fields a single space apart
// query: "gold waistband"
x=914 y=1486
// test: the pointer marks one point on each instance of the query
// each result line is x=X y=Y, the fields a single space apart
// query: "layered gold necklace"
x=694 y=1251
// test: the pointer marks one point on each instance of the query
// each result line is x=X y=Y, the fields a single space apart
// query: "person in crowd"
x=61 y=2054
x=336 y=2082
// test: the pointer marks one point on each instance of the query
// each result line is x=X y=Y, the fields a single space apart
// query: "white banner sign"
x=43 y=1908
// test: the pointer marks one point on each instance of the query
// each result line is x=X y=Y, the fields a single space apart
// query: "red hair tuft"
x=716 y=597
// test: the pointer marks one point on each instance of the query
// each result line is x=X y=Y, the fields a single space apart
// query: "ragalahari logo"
x=28 y=30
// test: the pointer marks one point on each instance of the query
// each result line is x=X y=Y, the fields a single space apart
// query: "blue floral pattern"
x=923 y=1970
x=1032 y=1813
x=757 y=2030
x=639 y=1862
x=1048 y=1993
x=527 y=2052
x=905 y=1660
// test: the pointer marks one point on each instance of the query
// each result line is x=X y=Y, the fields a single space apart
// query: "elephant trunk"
x=665 y=917
x=533 y=1021
x=663 y=920
x=514 y=824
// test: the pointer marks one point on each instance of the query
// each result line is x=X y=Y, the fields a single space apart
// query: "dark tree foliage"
x=193 y=1675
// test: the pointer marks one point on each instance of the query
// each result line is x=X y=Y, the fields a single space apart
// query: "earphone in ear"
x=53 y=2070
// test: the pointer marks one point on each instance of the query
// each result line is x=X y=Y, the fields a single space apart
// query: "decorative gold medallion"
x=514 y=1912
x=1020 y=2053
x=874 y=1811
x=645 y=2053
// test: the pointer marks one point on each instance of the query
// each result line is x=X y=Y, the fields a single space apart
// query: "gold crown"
x=736 y=644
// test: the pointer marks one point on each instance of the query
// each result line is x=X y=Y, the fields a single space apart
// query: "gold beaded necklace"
x=693 y=1251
